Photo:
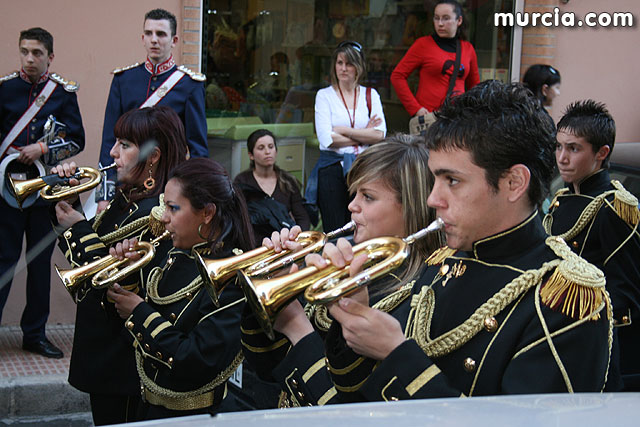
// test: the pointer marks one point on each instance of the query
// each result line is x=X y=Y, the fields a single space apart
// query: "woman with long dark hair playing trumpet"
x=187 y=347
x=391 y=183
x=149 y=143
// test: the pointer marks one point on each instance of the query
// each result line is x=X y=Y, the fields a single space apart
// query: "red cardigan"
x=426 y=55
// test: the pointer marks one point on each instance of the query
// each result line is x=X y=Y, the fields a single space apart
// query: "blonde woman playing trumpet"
x=391 y=183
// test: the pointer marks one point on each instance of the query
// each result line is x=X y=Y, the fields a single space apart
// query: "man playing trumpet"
x=503 y=308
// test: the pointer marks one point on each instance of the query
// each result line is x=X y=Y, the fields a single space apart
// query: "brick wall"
x=191 y=15
x=538 y=43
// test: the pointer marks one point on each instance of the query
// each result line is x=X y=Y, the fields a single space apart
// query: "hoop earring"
x=206 y=239
x=150 y=182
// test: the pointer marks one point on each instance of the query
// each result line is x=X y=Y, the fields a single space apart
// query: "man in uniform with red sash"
x=157 y=80
x=33 y=100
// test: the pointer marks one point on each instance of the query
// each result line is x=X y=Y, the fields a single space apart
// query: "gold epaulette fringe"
x=155 y=219
x=575 y=288
x=9 y=77
x=625 y=204
x=439 y=255
x=128 y=67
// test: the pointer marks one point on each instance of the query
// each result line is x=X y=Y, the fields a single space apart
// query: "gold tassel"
x=156 y=226
x=571 y=298
x=628 y=212
x=439 y=255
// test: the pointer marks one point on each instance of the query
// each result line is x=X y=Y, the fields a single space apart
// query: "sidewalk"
x=34 y=389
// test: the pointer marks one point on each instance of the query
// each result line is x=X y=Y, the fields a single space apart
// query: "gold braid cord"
x=320 y=316
x=463 y=333
x=152 y=288
x=580 y=285
x=156 y=389
x=125 y=231
x=588 y=213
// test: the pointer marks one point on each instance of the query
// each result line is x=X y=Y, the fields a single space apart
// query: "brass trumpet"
x=108 y=270
x=267 y=297
x=262 y=261
x=53 y=188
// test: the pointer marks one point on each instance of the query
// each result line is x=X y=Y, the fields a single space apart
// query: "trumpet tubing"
x=53 y=187
x=260 y=262
x=267 y=297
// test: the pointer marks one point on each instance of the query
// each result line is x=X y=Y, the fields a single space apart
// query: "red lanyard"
x=355 y=97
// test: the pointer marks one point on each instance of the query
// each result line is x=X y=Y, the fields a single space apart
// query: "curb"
x=40 y=396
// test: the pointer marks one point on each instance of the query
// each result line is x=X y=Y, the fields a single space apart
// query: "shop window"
x=267 y=59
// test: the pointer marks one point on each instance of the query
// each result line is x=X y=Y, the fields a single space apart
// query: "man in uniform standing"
x=599 y=219
x=503 y=309
x=158 y=80
x=30 y=136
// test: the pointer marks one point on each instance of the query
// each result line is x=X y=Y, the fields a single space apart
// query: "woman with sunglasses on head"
x=435 y=57
x=187 y=347
x=544 y=82
x=348 y=118
x=272 y=194
x=390 y=182
x=149 y=143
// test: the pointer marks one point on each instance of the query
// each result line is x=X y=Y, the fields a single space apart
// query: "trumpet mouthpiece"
x=434 y=226
x=350 y=226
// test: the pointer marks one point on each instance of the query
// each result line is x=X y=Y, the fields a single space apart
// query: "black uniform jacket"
x=474 y=330
x=102 y=361
x=601 y=225
x=186 y=347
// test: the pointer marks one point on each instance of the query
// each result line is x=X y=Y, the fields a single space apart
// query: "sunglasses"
x=357 y=46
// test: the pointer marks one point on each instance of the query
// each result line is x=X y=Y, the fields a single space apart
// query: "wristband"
x=41 y=146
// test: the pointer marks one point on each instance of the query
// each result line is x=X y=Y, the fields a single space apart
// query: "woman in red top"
x=435 y=56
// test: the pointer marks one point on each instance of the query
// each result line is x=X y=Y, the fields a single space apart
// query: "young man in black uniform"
x=598 y=218
x=28 y=98
x=503 y=309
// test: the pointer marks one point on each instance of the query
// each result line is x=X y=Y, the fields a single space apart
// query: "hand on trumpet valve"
x=125 y=301
x=125 y=249
x=67 y=170
x=340 y=255
x=284 y=239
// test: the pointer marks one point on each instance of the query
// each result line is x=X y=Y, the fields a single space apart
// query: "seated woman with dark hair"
x=391 y=183
x=272 y=194
x=149 y=143
x=187 y=347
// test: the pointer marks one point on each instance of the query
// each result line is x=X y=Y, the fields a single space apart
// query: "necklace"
x=352 y=121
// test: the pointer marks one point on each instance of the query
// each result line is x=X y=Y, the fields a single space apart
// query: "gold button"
x=394 y=399
x=294 y=382
x=131 y=211
x=85 y=263
x=170 y=361
x=469 y=364
x=130 y=325
x=172 y=317
x=556 y=204
x=139 y=336
x=147 y=347
x=300 y=395
x=102 y=304
x=625 y=320
x=491 y=324
x=33 y=121
x=73 y=245
x=79 y=254
x=67 y=234
x=444 y=269
x=189 y=296
x=159 y=355
x=115 y=226
x=575 y=244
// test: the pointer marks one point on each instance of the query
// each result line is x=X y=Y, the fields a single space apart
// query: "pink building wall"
x=601 y=63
